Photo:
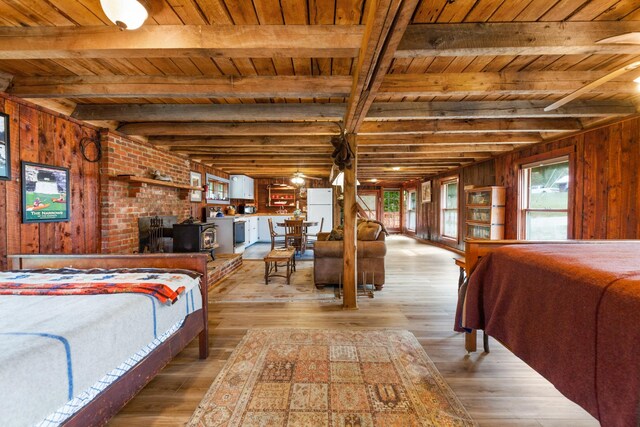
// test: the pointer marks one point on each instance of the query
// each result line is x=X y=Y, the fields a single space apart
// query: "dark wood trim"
x=570 y=152
x=116 y=396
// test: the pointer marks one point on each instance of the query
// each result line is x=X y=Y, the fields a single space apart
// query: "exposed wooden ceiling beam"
x=386 y=24
x=289 y=151
x=495 y=110
x=469 y=126
x=180 y=41
x=180 y=86
x=430 y=139
x=335 y=111
x=228 y=129
x=207 y=112
x=242 y=141
x=502 y=83
x=515 y=38
x=451 y=148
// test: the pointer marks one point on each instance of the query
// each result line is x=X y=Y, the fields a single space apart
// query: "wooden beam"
x=200 y=112
x=180 y=87
x=515 y=38
x=229 y=129
x=335 y=111
x=5 y=81
x=420 y=157
x=429 y=139
x=495 y=110
x=181 y=41
x=470 y=126
x=349 y=247
x=242 y=141
x=289 y=151
x=386 y=23
x=444 y=148
x=501 y=83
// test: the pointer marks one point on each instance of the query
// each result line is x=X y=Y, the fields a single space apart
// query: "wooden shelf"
x=136 y=184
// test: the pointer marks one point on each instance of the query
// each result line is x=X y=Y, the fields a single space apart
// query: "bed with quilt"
x=570 y=310
x=72 y=338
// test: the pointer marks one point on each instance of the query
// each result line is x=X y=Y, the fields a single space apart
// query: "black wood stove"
x=193 y=236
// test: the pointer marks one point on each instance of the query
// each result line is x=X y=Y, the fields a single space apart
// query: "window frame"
x=443 y=203
x=554 y=157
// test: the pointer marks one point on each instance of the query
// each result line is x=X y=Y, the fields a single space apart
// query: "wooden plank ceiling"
x=260 y=86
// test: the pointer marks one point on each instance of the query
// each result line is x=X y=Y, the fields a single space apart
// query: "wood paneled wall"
x=607 y=188
x=42 y=136
x=428 y=214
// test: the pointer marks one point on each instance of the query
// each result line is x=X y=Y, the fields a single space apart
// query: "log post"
x=350 y=248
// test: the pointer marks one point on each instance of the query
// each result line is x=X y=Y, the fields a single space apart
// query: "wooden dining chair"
x=273 y=234
x=294 y=235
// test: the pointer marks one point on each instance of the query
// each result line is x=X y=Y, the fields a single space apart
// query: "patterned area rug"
x=316 y=377
x=247 y=285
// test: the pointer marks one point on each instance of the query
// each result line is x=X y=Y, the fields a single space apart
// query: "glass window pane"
x=452 y=196
x=547 y=225
x=549 y=186
x=450 y=223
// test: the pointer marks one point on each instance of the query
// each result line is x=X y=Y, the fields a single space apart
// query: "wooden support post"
x=350 y=245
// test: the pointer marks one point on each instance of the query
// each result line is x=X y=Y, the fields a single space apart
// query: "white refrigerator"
x=320 y=205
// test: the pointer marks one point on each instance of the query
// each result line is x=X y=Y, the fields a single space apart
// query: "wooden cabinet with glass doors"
x=485 y=213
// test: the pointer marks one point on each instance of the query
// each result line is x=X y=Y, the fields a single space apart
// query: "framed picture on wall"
x=195 y=179
x=426 y=191
x=45 y=193
x=5 y=159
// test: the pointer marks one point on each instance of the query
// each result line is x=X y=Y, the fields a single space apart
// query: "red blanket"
x=163 y=293
x=572 y=313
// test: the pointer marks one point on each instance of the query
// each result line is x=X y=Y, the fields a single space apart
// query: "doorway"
x=391 y=210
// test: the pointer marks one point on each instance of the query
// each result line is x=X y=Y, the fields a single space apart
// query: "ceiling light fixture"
x=374 y=179
x=297 y=180
x=395 y=168
x=126 y=14
x=339 y=180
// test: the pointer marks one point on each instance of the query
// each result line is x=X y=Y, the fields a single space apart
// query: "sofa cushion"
x=368 y=230
x=328 y=249
x=336 y=234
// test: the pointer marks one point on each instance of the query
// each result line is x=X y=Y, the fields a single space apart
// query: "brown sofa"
x=327 y=260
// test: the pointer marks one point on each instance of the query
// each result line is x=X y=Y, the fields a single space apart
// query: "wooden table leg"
x=266 y=272
x=470 y=341
x=288 y=271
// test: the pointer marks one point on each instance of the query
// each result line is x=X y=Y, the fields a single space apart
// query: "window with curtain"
x=449 y=208
x=544 y=200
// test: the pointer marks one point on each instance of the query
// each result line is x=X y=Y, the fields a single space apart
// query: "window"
x=410 y=215
x=544 y=213
x=449 y=208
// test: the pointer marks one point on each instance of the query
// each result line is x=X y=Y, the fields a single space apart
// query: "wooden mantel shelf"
x=136 y=184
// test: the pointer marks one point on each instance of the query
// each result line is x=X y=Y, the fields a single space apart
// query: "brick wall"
x=120 y=212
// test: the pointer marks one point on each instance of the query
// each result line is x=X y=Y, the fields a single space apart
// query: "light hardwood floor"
x=420 y=295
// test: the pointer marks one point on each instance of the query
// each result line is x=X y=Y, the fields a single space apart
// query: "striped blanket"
x=58 y=352
x=93 y=282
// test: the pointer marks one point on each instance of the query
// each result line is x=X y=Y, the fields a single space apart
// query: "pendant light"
x=126 y=14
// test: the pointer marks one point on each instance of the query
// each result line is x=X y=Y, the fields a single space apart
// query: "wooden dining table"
x=305 y=224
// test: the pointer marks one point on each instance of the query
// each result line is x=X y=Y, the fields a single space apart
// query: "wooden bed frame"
x=115 y=397
x=476 y=249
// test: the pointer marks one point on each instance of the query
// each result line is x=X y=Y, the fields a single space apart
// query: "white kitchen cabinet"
x=252 y=229
x=241 y=187
x=264 y=235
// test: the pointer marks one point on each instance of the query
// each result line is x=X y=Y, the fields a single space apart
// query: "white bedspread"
x=54 y=348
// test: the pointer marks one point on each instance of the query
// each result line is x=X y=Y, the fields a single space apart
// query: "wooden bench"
x=283 y=256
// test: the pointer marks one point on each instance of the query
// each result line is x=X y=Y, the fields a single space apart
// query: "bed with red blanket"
x=80 y=335
x=570 y=310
